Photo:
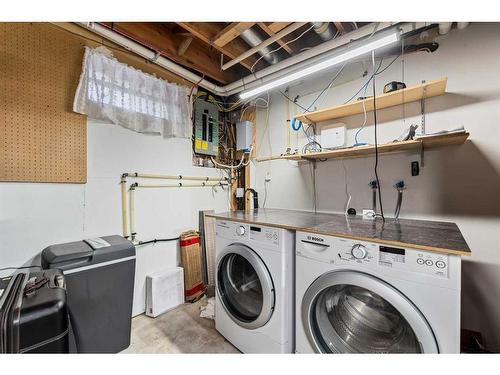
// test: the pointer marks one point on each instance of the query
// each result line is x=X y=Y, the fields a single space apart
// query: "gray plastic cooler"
x=100 y=285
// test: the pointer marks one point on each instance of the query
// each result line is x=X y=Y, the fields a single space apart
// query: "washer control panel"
x=344 y=251
x=244 y=231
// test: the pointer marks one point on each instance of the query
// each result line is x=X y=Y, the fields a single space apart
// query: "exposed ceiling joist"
x=231 y=32
x=206 y=31
x=184 y=45
x=270 y=32
x=278 y=26
x=287 y=30
x=340 y=27
x=159 y=38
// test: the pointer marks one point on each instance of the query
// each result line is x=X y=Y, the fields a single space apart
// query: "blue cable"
x=292 y=124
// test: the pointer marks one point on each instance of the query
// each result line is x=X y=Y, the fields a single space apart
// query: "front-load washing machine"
x=363 y=297
x=254 y=302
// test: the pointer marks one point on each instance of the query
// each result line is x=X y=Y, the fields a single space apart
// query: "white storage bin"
x=164 y=291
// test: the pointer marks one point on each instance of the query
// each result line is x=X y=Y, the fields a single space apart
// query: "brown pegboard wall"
x=42 y=140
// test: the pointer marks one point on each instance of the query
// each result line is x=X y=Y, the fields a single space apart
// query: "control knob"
x=358 y=251
x=240 y=231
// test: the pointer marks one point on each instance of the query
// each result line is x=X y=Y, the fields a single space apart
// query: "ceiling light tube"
x=344 y=56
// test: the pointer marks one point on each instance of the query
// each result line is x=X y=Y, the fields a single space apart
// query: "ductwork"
x=253 y=39
x=262 y=76
x=324 y=30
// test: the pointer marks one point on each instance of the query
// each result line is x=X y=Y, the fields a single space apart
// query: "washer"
x=362 y=297
x=254 y=303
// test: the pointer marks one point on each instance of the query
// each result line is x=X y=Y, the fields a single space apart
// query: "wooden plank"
x=408 y=95
x=184 y=45
x=269 y=32
x=340 y=27
x=435 y=141
x=278 y=26
x=158 y=37
x=206 y=32
x=265 y=43
x=231 y=32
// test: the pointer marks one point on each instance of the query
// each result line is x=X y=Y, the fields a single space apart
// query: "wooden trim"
x=231 y=32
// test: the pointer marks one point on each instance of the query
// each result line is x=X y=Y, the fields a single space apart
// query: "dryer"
x=254 y=303
x=363 y=297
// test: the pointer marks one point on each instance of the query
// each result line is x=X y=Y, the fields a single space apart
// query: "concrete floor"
x=178 y=331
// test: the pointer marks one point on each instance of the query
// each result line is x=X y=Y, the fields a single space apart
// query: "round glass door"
x=350 y=312
x=245 y=287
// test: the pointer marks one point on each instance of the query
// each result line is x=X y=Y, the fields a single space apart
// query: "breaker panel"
x=206 y=128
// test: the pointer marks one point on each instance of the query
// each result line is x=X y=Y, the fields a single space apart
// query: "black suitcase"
x=33 y=313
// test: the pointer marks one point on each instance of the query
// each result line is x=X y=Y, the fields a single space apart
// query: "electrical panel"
x=206 y=128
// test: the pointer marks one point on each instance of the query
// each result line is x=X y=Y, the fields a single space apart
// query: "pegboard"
x=41 y=139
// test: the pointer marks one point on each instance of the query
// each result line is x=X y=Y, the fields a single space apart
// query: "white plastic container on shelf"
x=164 y=291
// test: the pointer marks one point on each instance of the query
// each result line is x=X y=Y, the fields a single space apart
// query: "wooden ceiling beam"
x=231 y=32
x=269 y=32
x=278 y=26
x=206 y=31
x=340 y=27
x=173 y=46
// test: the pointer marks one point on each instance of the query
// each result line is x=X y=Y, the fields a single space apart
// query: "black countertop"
x=443 y=237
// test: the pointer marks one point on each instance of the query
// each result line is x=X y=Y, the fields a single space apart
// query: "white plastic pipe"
x=265 y=75
x=123 y=183
x=132 y=214
x=181 y=185
x=172 y=177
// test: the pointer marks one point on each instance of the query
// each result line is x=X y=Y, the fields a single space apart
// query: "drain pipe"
x=324 y=30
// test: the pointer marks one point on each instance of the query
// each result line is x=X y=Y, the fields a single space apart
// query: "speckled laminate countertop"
x=443 y=237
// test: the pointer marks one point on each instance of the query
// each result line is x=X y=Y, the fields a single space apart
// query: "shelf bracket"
x=422 y=107
x=422 y=155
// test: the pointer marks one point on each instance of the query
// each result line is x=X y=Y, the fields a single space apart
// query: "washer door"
x=245 y=287
x=353 y=312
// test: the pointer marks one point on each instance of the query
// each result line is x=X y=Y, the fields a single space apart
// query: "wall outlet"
x=368 y=214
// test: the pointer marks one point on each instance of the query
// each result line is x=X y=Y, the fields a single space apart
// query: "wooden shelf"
x=429 y=142
x=408 y=95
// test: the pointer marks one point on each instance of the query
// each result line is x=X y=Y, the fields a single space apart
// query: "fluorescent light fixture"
x=347 y=55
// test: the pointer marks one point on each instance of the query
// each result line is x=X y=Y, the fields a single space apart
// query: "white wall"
x=459 y=184
x=33 y=216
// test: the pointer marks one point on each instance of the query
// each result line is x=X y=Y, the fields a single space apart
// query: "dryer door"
x=354 y=312
x=244 y=286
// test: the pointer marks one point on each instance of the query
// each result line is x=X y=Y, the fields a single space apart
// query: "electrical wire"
x=20 y=268
x=376 y=142
x=157 y=240
x=242 y=162
x=348 y=195
x=280 y=47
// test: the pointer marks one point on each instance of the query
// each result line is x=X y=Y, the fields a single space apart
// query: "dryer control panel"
x=343 y=251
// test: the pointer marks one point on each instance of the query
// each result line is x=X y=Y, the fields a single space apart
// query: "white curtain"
x=112 y=91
